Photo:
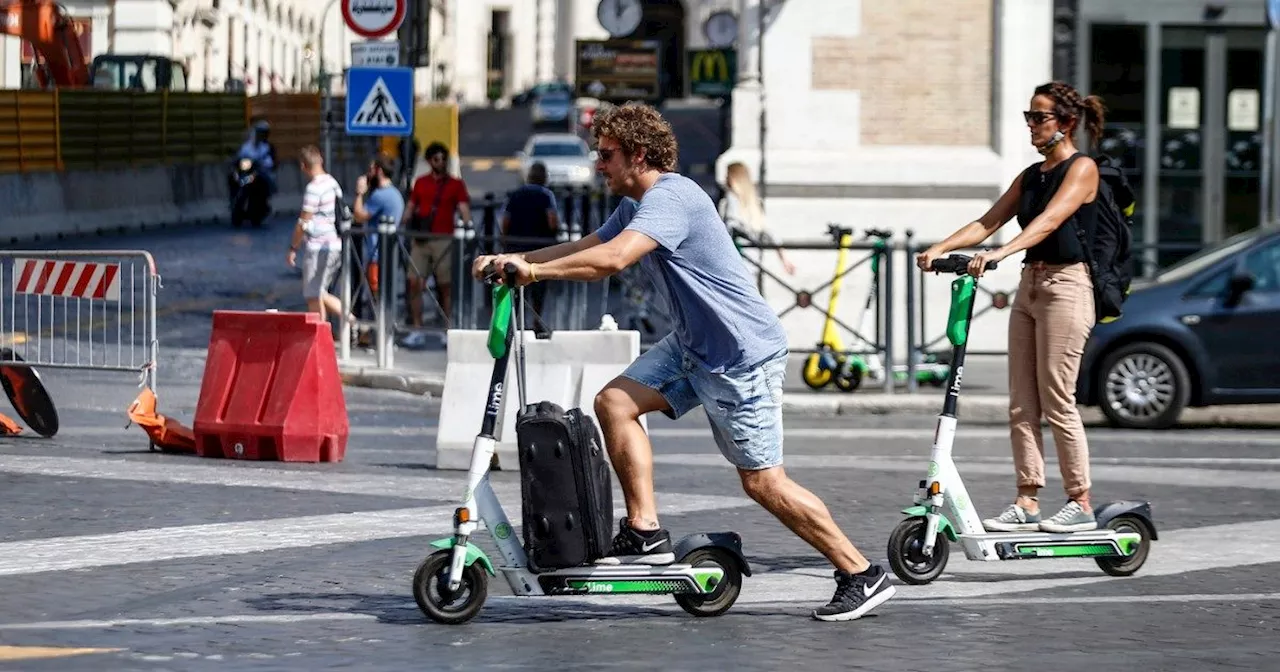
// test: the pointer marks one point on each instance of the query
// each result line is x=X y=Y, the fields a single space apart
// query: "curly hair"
x=639 y=126
x=1070 y=107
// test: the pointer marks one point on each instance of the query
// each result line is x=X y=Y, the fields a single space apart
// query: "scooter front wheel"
x=723 y=595
x=431 y=590
x=813 y=373
x=906 y=553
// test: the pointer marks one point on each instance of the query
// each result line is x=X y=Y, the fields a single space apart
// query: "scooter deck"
x=644 y=579
x=1032 y=545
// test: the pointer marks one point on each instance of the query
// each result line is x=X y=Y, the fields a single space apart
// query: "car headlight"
x=580 y=171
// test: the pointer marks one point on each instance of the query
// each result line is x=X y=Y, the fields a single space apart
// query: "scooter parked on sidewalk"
x=451 y=585
x=919 y=545
x=831 y=363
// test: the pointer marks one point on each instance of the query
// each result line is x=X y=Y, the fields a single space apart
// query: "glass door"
x=1243 y=97
x=1211 y=83
x=1183 y=184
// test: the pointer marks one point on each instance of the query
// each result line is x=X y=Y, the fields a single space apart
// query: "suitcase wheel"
x=543 y=527
x=570 y=522
x=559 y=449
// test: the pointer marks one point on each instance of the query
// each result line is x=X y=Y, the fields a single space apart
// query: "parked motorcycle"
x=250 y=194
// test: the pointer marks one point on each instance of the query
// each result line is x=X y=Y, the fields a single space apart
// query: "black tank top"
x=1061 y=246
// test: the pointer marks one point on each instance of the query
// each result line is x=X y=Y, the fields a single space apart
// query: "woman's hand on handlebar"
x=978 y=264
x=924 y=260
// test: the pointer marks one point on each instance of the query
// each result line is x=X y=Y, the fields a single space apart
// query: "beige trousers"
x=1051 y=319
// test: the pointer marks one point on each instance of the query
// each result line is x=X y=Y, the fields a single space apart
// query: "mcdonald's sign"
x=712 y=72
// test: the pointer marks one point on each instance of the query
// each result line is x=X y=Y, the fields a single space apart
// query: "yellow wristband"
x=532 y=277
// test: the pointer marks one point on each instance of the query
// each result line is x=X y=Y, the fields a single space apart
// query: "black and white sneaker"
x=856 y=594
x=639 y=547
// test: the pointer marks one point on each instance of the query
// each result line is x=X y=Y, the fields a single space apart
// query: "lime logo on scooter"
x=955 y=386
x=496 y=399
x=933 y=469
x=502 y=531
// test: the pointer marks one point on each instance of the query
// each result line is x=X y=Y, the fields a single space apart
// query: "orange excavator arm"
x=51 y=34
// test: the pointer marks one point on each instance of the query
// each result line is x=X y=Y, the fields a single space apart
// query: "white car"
x=569 y=160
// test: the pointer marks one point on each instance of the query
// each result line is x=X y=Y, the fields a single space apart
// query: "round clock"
x=721 y=29
x=620 y=17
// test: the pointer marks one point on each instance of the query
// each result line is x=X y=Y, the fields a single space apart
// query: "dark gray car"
x=1203 y=332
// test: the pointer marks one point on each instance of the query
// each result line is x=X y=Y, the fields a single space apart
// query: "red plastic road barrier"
x=271 y=390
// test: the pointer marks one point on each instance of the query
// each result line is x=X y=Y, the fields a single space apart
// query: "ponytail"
x=1095 y=114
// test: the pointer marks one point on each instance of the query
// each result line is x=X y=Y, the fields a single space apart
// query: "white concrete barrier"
x=568 y=369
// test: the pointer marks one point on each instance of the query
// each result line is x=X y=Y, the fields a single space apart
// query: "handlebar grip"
x=878 y=233
x=510 y=271
x=957 y=263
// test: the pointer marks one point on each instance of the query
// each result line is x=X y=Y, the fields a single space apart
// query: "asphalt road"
x=112 y=557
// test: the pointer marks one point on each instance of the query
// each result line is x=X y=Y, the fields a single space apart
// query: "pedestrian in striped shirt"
x=316 y=233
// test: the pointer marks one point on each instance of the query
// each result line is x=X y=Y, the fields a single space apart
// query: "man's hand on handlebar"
x=494 y=268
x=485 y=265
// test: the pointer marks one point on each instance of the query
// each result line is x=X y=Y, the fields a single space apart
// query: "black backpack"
x=1109 y=255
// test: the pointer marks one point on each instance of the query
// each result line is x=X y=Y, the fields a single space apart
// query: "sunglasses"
x=1038 y=116
x=606 y=155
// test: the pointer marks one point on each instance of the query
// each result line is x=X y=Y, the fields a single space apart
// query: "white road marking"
x=1149 y=475
x=219 y=539
x=216 y=539
x=189 y=620
x=308 y=478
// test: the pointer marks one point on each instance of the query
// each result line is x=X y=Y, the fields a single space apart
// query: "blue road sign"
x=380 y=101
x=1273 y=13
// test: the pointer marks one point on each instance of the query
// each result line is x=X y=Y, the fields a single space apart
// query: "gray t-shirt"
x=719 y=315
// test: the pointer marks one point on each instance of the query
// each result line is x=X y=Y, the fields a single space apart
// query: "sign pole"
x=406 y=143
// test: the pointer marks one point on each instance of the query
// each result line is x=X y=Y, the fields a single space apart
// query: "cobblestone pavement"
x=162 y=562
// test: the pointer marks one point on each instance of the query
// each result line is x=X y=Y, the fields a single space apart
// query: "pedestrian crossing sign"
x=380 y=101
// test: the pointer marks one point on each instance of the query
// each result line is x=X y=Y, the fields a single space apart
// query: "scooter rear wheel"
x=1127 y=566
x=906 y=557
x=431 y=590
x=723 y=595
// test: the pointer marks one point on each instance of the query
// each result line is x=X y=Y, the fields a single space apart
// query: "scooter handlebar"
x=878 y=233
x=509 y=272
x=956 y=263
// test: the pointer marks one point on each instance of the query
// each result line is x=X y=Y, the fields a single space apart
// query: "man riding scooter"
x=252 y=183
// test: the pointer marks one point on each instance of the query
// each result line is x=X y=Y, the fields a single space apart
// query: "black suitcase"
x=567 y=488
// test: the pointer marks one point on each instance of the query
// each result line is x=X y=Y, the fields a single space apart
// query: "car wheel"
x=1143 y=386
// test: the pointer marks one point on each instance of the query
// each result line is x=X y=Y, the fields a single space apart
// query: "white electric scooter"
x=918 y=546
x=451 y=585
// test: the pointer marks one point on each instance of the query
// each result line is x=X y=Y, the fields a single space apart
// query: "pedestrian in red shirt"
x=436 y=200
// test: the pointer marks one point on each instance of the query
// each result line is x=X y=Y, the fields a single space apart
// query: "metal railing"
x=628 y=297
x=80 y=309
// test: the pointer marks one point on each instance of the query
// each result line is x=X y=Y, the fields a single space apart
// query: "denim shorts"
x=744 y=405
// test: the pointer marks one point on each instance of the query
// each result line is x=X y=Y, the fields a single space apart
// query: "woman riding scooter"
x=1053 y=310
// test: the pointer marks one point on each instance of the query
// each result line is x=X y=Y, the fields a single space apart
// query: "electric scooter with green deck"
x=920 y=545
